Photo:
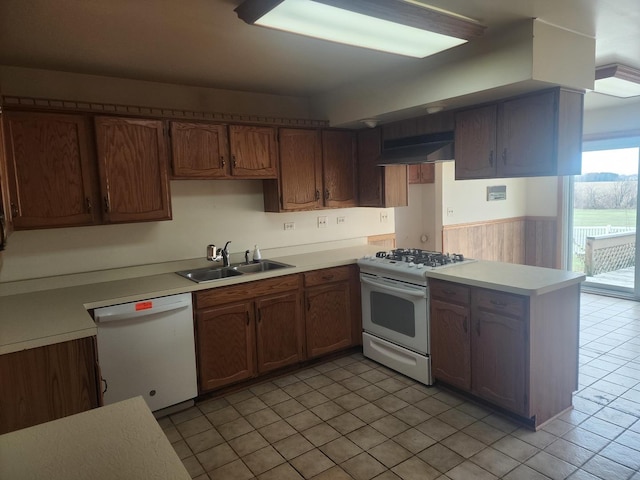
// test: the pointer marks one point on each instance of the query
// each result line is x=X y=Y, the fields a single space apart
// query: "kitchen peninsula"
x=548 y=301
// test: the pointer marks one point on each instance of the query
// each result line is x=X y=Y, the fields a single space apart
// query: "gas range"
x=409 y=263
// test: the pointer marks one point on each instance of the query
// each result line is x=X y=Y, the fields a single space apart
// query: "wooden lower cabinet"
x=279 y=331
x=329 y=310
x=247 y=329
x=226 y=345
x=451 y=353
x=517 y=352
x=45 y=383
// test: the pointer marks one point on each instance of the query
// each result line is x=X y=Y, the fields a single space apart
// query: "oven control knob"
x=411 y=264
x=419 y=266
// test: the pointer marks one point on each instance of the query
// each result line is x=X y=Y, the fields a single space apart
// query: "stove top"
x=409 y=262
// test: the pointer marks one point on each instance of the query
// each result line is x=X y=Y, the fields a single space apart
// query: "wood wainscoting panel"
x=386 y=240
x=521 y=240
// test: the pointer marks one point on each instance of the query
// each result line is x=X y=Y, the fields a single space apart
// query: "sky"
x=623 y=161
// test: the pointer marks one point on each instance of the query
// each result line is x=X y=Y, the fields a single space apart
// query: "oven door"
x=396 y=311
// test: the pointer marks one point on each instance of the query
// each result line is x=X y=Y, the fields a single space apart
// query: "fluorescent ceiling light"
x=618 y=81
x=393 y=26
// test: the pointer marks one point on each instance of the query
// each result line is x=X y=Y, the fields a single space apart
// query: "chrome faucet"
x=215 y=254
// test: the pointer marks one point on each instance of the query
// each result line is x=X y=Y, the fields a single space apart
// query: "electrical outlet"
x=340 y=220
x=322 y=222
x=384 y=217
x=449 y=212
x=289 y=226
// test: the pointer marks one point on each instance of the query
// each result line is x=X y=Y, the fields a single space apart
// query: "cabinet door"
x=378 y=186
x=226 y=345
x=423 y=173
x=328 y=318
x=300 y=169
x=279 y=331
x=41 y=384
x=475 y=143
x=254 y=152
x=199 y=150
x=5 y=223
x=451 y=344
x=51 y=170
x=132 y=158
x=498 y=352
x=526 y=136
x=339 y=168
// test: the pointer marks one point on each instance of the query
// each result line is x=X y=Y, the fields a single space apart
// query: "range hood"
x=417 y=149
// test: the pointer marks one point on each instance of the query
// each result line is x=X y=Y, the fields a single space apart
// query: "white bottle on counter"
x=256 y=254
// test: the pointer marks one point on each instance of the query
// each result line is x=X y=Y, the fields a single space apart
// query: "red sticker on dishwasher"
x=144 y=305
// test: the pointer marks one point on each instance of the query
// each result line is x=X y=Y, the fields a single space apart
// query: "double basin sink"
x=210 y=274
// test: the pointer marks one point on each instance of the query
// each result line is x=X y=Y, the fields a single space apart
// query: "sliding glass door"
x=604 y=217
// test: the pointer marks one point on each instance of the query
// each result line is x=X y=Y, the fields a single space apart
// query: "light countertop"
x=508 y=277
x=52 y=315
x=44 y=317
x=118 y=441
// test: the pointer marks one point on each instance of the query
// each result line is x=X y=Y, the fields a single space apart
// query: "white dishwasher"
x=147 y=348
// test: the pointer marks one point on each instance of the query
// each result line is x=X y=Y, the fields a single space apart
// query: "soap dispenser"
x=256 y=254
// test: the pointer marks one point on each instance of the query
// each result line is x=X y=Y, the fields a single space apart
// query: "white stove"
x=395 y=308
x=409 y=264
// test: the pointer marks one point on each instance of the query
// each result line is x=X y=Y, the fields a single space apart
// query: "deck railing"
x=608 y=253
x=580 y=235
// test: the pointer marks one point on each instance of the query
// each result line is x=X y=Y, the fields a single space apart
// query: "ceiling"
x=203 y=43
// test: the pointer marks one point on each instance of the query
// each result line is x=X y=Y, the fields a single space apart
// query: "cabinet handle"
x=504 y=156
x=222 y=162
x=259 y=316
x=497 y=303
x=106 y=386
x=107 y=207
x=235 y=163
x=14 y=210
x=317 y=195
x=89 y=206
x=3 y=230
x=326 y=194
x=491 y=158
x=464 y=325
x=248 y=318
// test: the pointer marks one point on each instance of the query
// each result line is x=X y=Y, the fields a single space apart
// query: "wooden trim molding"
x=523 y=240
x=25 y=103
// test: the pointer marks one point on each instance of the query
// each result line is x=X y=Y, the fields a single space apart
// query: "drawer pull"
x=497 y=303
x=327 y=277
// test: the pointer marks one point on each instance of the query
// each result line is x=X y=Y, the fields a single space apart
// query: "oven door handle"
x=413 y=293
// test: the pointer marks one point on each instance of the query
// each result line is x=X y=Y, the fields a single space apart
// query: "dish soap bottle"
x=256 y=254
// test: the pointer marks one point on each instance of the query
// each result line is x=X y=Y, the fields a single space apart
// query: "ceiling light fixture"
x=369 y=122
x=394 y=26
x=618 y=81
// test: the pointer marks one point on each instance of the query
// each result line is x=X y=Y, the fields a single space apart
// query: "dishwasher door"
x=147 y=348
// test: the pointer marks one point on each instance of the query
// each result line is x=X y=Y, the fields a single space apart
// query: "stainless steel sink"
x=261 y=266
x=210 y=274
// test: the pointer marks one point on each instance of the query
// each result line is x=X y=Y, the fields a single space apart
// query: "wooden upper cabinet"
x=339 y=168
x=475 y=142
x=51 y=173
x=379 y=186
x=254 y=151
x=538 y=134
x=199 y=150
x=422 y=173
x=300 y=169
x=132 y=161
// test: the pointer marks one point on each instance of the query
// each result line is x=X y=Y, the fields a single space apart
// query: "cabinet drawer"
x=320 y=277
x=505 y=303
x=245 y=291
x=451 y=292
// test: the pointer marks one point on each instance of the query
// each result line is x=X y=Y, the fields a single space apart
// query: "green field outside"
x=614 y=217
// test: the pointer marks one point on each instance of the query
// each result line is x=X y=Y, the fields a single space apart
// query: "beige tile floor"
x=353 y=418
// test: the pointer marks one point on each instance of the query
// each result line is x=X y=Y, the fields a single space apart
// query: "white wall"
x=204 y=211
